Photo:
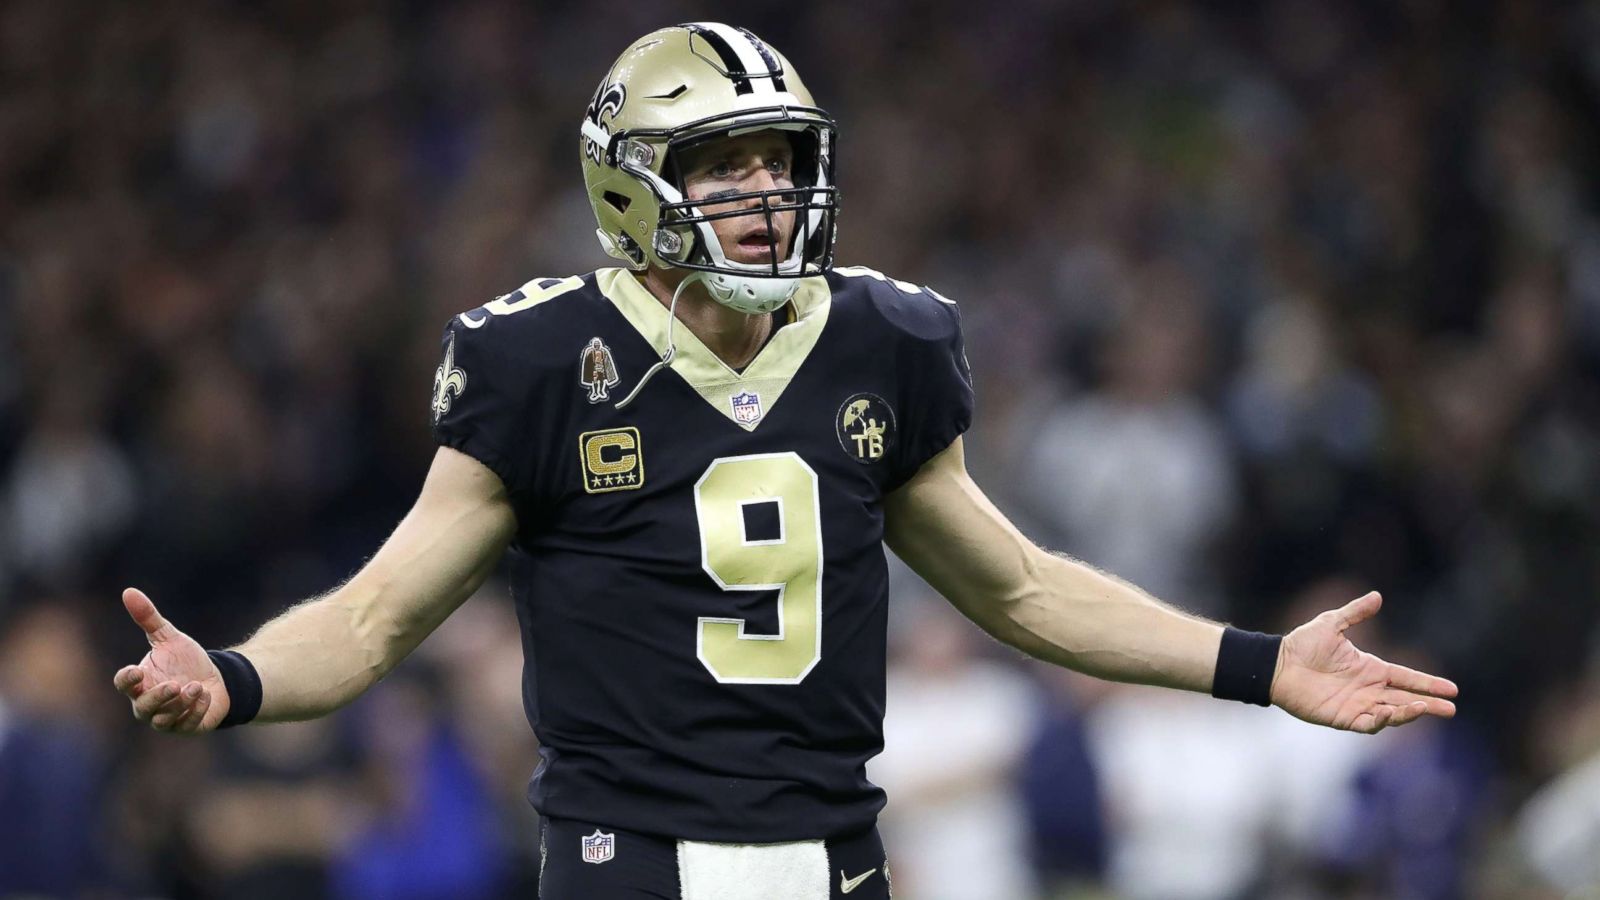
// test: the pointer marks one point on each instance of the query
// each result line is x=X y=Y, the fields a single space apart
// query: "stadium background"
x=1267 y=302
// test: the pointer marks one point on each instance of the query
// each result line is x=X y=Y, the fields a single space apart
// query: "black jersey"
x=699 y=576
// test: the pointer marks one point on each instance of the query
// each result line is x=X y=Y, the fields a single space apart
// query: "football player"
x=696 y=458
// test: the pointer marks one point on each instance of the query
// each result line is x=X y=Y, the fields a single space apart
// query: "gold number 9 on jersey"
x=790 y=563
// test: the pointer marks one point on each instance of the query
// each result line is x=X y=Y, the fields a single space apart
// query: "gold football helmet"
x=679 y=86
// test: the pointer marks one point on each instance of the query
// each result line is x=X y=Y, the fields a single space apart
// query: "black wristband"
x=1245 y=666
x=243 y=685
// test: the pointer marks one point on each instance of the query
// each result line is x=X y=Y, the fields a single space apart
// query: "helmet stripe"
x=749 y=51
x=774 y=68
x=743 y=55
x=731 y=63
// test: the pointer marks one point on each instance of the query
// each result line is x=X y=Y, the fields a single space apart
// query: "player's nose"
x=760 y=179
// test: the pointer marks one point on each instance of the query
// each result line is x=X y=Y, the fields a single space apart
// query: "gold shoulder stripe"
x=533 y=294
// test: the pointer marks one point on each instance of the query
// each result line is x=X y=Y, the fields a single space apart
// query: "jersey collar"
x=767 y=376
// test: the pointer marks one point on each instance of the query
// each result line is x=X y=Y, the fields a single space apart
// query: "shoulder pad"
x=520 y=324
x=533 y=294
x=919 y=311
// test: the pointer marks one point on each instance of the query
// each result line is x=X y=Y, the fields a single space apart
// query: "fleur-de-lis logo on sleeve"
x=448 y=381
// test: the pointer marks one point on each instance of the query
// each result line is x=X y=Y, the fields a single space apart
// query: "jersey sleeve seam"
x=480 y=450
x=929 y=448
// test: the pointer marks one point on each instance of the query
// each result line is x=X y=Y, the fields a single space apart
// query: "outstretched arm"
x=1067 y=612
x=323 y=653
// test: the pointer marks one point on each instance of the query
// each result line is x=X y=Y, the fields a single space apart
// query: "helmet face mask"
x=672 y=91
x=810 y=204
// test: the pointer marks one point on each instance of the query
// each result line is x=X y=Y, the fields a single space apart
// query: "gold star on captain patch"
x=596 y=481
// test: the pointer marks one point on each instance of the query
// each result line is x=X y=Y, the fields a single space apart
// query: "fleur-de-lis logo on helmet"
x=448 y=381
x=607 y=103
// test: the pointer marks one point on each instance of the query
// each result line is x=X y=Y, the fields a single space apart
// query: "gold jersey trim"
x=767 y=376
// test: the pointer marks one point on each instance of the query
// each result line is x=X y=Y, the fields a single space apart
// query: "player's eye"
x=720 y=170
x=778 y=166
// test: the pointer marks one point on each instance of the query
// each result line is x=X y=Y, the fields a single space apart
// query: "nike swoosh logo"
x=846 y=885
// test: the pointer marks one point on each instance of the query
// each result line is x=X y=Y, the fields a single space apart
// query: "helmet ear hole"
x=617 y=201
x=807 y=157
x=631 y=248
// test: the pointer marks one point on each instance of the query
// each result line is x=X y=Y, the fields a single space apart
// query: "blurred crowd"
x=1268 y=303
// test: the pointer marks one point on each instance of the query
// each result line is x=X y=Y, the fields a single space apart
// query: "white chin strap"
x=752 y=296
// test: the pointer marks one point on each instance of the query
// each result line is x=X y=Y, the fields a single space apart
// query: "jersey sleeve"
x=480 y=399
x=937 y=395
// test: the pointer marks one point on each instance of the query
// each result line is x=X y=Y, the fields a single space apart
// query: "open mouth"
x=756 y=245
x=759 y=239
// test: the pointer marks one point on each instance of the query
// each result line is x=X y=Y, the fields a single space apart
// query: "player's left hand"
x=1324 y=679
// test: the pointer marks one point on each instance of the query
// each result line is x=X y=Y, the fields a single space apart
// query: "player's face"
x=761 y=161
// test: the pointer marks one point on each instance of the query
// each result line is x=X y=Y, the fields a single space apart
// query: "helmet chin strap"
x=752 y=296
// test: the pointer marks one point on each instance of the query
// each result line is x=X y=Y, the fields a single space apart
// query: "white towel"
x=792 y=871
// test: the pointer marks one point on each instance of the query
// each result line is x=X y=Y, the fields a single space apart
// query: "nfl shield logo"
x=599 y=848
x=746 y=407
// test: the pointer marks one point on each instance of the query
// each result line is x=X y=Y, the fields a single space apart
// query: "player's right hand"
x=175 y=687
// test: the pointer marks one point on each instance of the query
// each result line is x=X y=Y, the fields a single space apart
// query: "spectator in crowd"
x=1182 y=780
x=275 y=811
x=1558 y=828
x=956 y=825
x=1060 y=787
x=1138 y=475
x=54 y=840
x=430 y=831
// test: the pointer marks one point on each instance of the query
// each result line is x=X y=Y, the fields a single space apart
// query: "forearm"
x=1074 y=615
x=1051 y=607
x=319 y=655
x=323 y=653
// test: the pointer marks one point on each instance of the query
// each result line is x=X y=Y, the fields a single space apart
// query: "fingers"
x=1408 y=713
x=129 y=680
x=196 y=716
x=164 y=706
x=1392 y=715
x=1421 y=682
x=1433 y=706
x=185 y=714
x=1359 y=610
x=154 y=700
x=167 y=708
x=1373 y=722
x=143 y=611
